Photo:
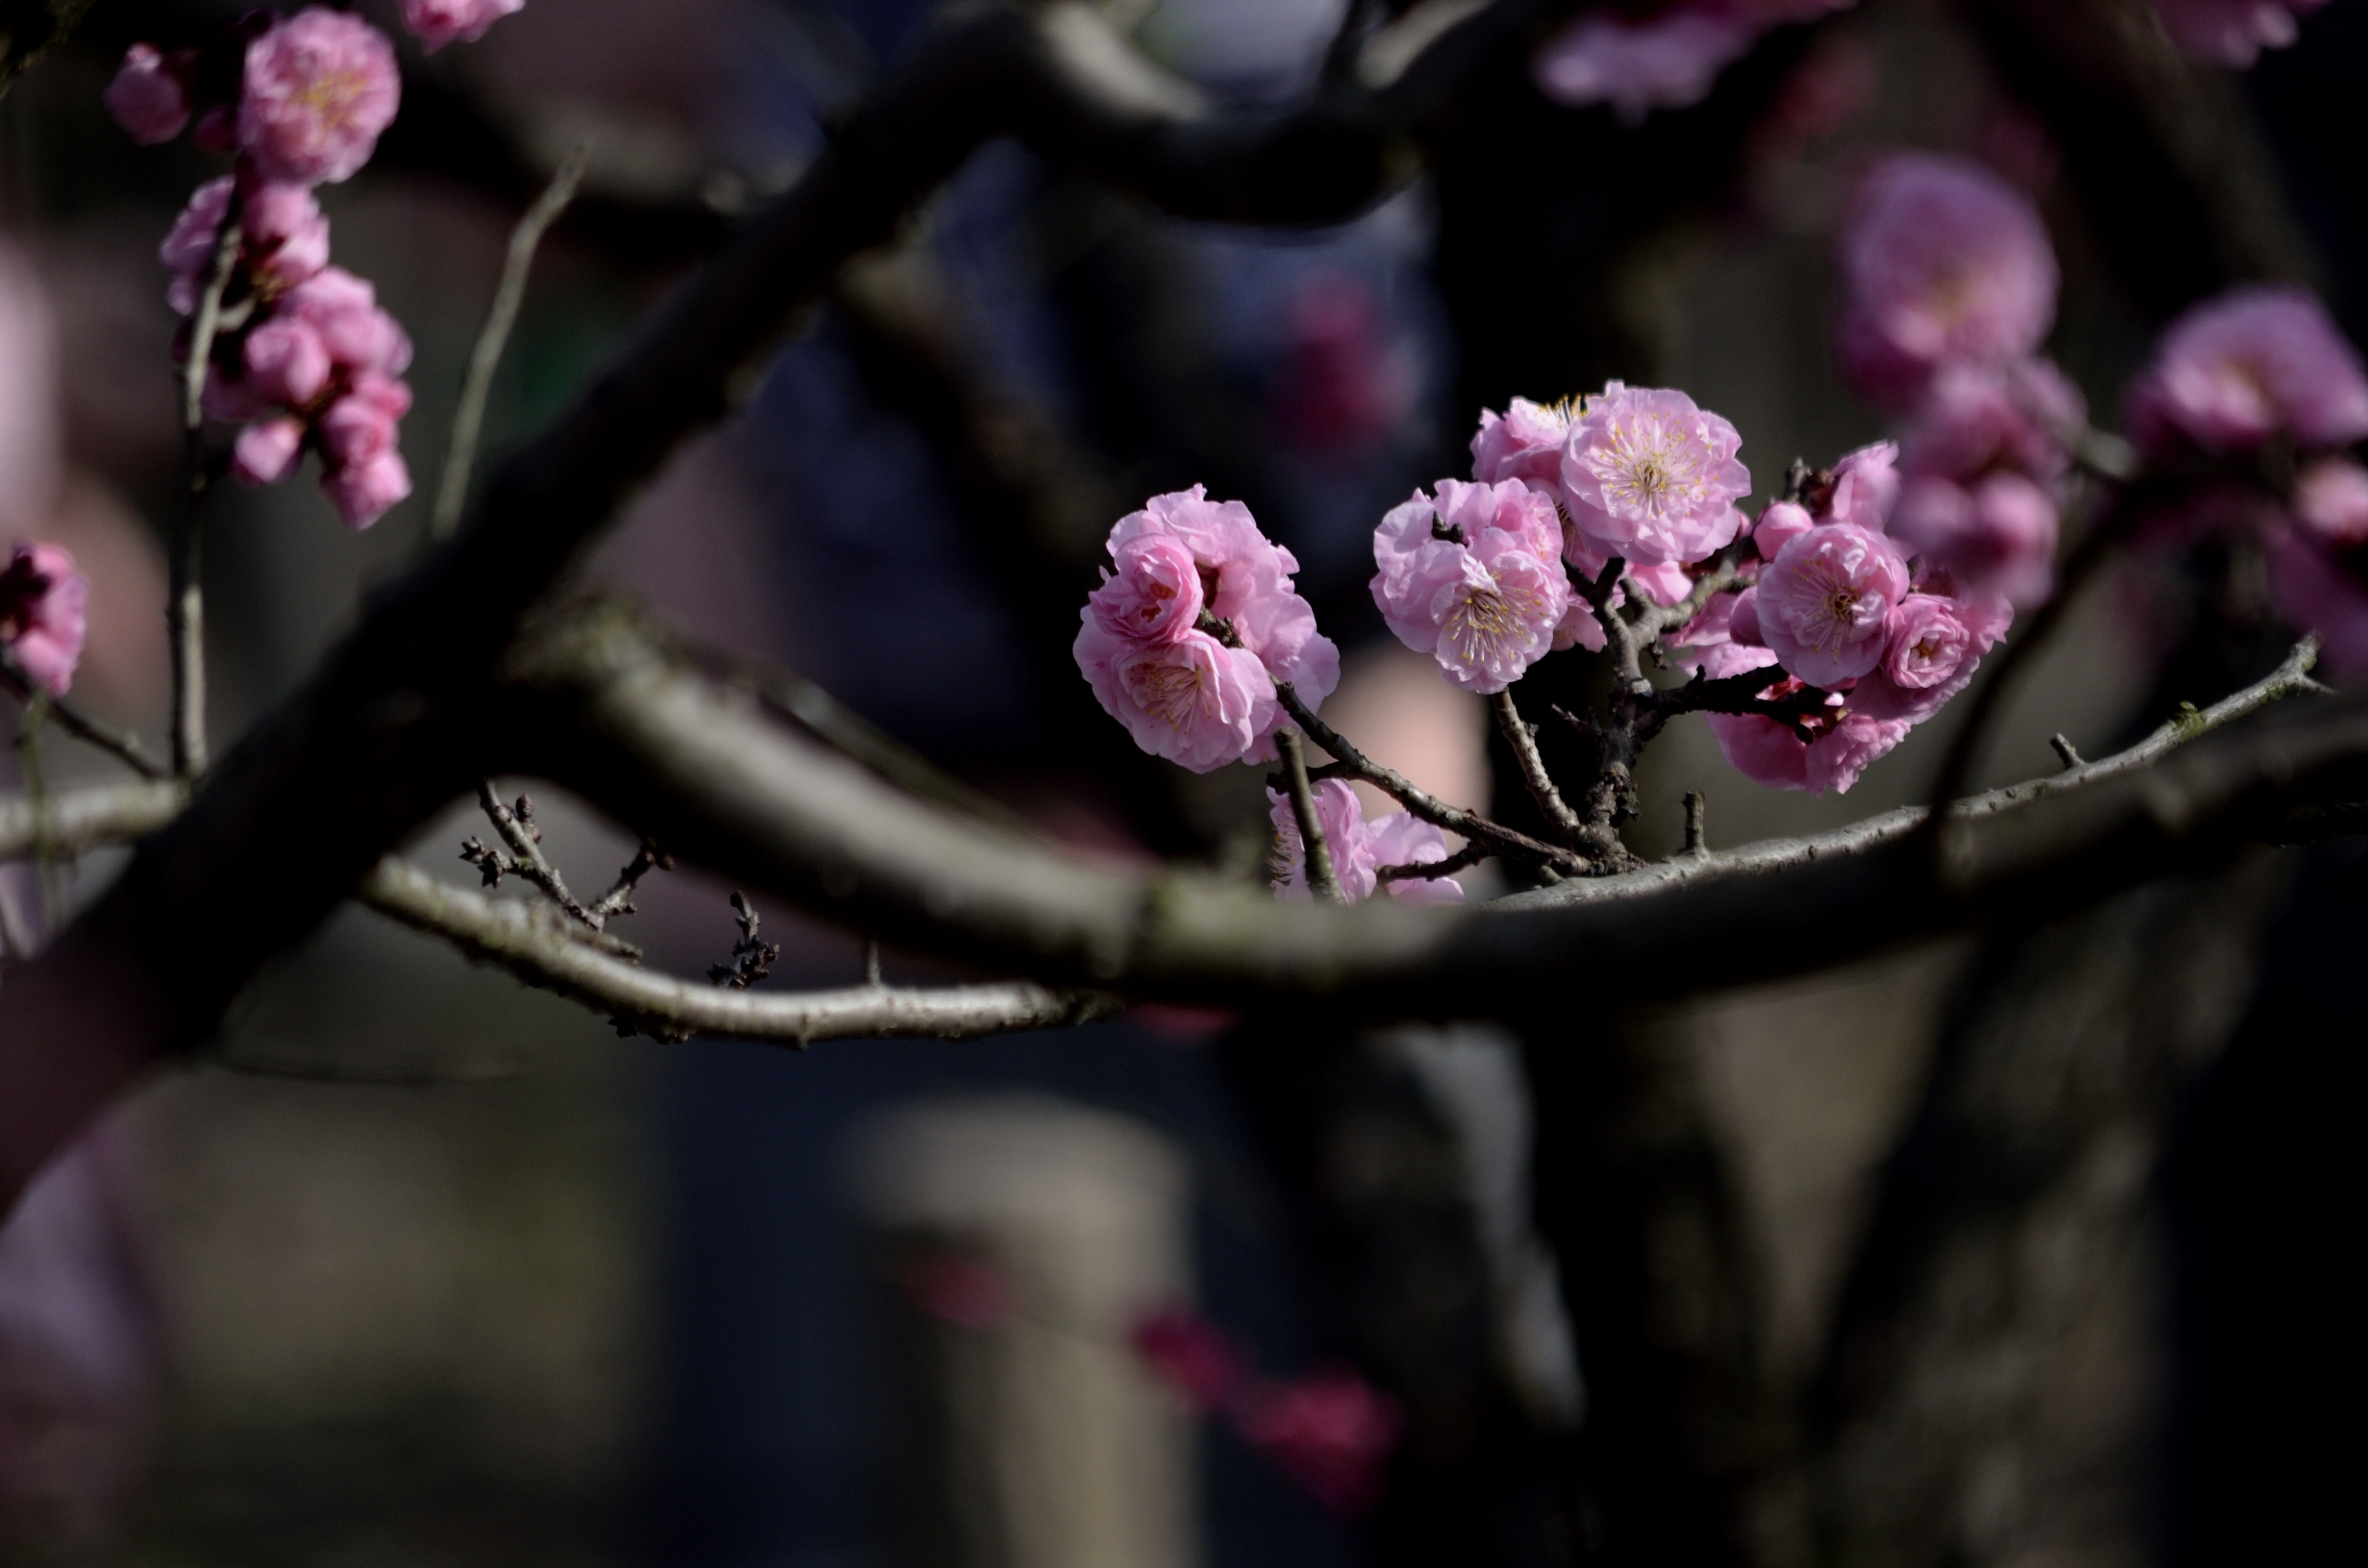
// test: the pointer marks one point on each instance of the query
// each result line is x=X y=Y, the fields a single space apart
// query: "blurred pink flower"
x=1854 y=743
x=1154 y=596
x=365 y=492
x=1639 y=64
x=436 y=23
x=2320 y=587
x=360 y=427
x=187 y=250
x=1942 y=262
x=1340 y=387
x=1192 y=1355
x=286 y=362
x=1473 y=577
x=1360 y=847
x=1865 y=487
x=1824 y=600
x=285 y=239
x=267 y=450
x=2256 y=362
x=2331 y=500
x=150 y=94
x=343 y=309
x=1650 y=478
x=44 y=614
x=1925 y=642
x=1782 y=523
x=1332 y=1432
x=1761 y=749
x=1194 y=701
x=1976 y=417
x=1997 y=537
x=319 y=87
x=2231 y=32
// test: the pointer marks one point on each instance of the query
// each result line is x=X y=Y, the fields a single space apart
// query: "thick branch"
x=82 y=819
x=541 y=951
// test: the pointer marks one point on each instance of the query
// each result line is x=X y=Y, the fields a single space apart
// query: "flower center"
x=1831 y=605
x=333 y=94
x=1170 y=691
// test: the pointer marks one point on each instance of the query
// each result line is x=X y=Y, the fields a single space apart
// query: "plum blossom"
x=1782 y=523
x=2316 y=564
x=1866 y=487
x=1925 y=642
x=1154 y=596
x=1664 y=60
x=1473 y=578
x=1525 y=443
x=1979 y=417
x=1997 y=537
x=1942 y=262
x=1360 y=847
x=318 y=89
x=2231 y=32
x=267 y=450
x=44 y=614
x=2258 y=361
x=284 y=239
x=1650 y=478
x=436 y=23
x=1824 y=602
x=1193 y=700
x=150 y=94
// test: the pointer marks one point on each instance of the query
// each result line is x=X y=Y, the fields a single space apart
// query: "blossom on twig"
x=1361 y=847
x=318 y=89
x=150 y=94
x=2259 y=361
x=1649 y=476
x=44 y=614
x=436 y=23
x=1473 y=577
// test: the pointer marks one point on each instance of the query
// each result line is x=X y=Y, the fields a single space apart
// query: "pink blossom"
x=1824 y=600
x=1865 y=487
x=1762 y=749
x=365 y=492
x=1472 y=578
x=1194 y=701
x=318 y=89
x=360 y=427
x=150 y=95
x=1331 y=1432
x=1925 y=642
x=343 y=309
x=1360 y=847
x=1579 y=627
x=2331 y=500
x=1245 y=582
x=1857 y=740
x=1942 y=262
x=436 y=23
x=1192 y=1355
x=267 y=450
x=286 y=237
x=44 y=614
x=1154 y=596
x=2231 y=32
x=2253 y=363
x=1744 y=619
x=1997 y=537
x=1665 y=584
x=187 y=250
x=1650 y=478
x=1977 y=417
x=1525 y=444
x=2320 y=588
x=1638 y=64
x=1779 y=526
x=286 y=362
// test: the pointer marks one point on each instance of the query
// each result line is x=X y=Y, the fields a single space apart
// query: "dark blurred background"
x=425 y=1269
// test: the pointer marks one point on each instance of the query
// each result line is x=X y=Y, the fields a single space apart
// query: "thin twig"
x=871 y=961
x=516 y=825
x=1500 y=840
x=185 y=611
x=1696 y=842
x=1314 y=852
x=123 y=746
x=2064 y=749
x=535 y=946
x=619 y=898
x=1426 y=870
x=1522 y=737
x=36 y=804
x=469 y=415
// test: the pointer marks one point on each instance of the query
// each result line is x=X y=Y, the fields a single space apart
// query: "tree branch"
x=121 y=745
x=88 y=818
x=539 y=949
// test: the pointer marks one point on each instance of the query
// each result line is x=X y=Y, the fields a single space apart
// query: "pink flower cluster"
x=1638 y=61
x=1840 y=609
x=2265 y=365
x=2231 y=32
x=311 y=361
x=1331 y=1432
x=1185 y=640
x=44 y=606
x=439 y=22
x=1474 y=579
x=1950 y=285
x=1360 y=849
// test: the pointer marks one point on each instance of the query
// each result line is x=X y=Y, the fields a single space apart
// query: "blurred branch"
x=90 y=817
x=469 y=416
x=540 y=952
x=121 y=745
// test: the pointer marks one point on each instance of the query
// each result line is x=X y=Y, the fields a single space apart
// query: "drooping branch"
x=537 y=950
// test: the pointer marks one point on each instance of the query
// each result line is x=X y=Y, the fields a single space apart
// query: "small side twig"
x=469 y=415
x=1522 y=737
x=2064 y=750
x=186 y=608
x=1314 y=852
x=1425 y=870
x=1696 y=842
x=619 y=898
x=751 y=957
x=121 y=745
x=526 y=860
